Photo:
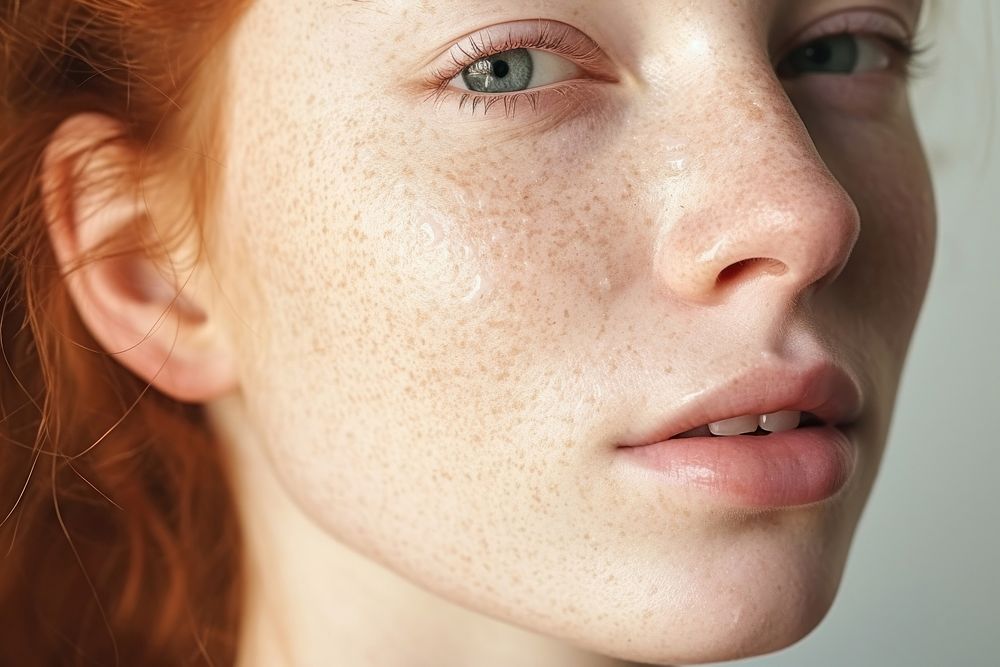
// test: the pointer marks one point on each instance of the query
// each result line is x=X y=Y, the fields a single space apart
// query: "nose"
x=768 y=216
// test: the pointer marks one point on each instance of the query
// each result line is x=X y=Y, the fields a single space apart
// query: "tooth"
x=734 y=426
x=783 y=420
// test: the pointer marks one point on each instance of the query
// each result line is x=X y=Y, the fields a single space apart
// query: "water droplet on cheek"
x=446 y=264
x=431 y=233
x=481 y=286
x=673 y=143
x=473 y=273
x=675 y=158
x=677 y=164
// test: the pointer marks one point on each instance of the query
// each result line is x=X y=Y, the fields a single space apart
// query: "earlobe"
x=131 y=296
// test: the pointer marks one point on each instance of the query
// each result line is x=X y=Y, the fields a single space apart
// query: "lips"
x=824 y=390
x=794 y=464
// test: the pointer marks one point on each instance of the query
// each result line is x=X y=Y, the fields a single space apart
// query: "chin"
x=755 y=596
x=729 y=627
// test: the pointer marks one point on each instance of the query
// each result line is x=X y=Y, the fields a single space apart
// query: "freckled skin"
x=463 y=436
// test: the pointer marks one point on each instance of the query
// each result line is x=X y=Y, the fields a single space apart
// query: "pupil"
x=818 y=53
x=500 y=68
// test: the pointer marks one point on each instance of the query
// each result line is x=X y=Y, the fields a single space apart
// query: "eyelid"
x=875 y=21
x=541 y=34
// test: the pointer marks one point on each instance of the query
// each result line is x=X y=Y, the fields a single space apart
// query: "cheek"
x=505 y=250
x=884 y=170
x=872 y=308
x=426 y=315
x=476 y=261
x=477 y=289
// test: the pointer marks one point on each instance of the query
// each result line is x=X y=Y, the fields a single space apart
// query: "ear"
x=93 y=190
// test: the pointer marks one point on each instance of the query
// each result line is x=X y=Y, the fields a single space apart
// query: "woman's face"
x=453 y=305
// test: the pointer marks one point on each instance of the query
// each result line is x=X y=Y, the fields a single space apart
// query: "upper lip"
x=822 y=388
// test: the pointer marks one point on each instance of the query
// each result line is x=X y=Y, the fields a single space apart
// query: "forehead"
x=628 y=27
x=432 y=6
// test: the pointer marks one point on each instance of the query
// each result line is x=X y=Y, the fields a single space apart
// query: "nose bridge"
x=765 y=204
x=762 y=135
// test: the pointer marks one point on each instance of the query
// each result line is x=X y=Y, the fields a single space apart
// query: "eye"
x=837 y=54
x=515 y=70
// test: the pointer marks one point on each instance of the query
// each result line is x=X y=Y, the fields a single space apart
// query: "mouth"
x=755 y=425
x=774 y=437
x=762 y=401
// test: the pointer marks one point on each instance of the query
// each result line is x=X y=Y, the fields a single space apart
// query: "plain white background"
x=922 y=584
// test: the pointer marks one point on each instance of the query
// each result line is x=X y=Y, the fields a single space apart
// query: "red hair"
x=119 y=541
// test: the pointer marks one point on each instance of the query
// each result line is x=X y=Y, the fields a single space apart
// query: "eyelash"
x=587 y=55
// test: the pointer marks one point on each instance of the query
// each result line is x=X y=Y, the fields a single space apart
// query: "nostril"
x=747 y=268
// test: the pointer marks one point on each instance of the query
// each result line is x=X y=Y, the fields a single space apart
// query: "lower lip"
x=784 y=469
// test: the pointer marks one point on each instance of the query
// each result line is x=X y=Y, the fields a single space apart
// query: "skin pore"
x=432 y=318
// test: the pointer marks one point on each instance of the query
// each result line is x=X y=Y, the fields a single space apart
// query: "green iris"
x=500 y=73
x=837 y=54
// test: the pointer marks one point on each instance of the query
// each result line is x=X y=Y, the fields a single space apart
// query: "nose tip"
x=765 y=235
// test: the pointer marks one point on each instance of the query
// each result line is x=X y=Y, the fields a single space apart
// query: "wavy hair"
x=119 y=539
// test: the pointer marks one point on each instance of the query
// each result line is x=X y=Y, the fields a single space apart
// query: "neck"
x=310 y=600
